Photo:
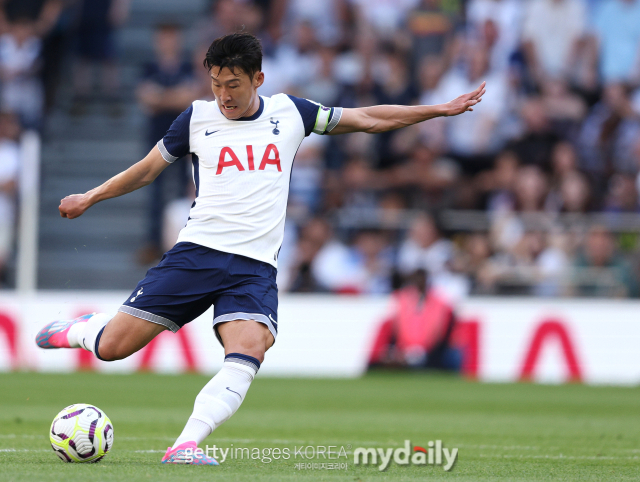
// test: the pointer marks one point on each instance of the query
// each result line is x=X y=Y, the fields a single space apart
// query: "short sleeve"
x=175 y=143
x=315 y=117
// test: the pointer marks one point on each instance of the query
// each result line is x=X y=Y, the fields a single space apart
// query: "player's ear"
x=258 y=79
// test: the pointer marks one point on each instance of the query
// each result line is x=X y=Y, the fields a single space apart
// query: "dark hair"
x=241 y=50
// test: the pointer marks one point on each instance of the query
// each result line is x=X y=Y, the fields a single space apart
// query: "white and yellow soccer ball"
x=81 y=433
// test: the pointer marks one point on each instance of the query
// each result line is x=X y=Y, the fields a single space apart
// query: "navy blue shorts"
x=190 y=278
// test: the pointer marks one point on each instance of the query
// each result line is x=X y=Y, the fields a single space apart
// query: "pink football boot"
x=54 y=335
x=188 y=453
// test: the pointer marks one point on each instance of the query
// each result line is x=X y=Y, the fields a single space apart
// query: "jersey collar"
x=254 y=116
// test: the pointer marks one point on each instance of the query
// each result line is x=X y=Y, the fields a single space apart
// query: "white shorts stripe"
x=260 y=318
x=145 y=315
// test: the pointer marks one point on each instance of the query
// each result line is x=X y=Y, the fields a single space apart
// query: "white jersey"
x=242 y=169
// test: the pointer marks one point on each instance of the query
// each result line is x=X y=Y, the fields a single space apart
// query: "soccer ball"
x=81 y=433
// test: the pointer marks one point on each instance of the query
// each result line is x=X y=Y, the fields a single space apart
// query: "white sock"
x=194 y=430
x=83 y=335
x=220 y=398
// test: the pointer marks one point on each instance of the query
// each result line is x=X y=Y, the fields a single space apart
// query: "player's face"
x=236 y=93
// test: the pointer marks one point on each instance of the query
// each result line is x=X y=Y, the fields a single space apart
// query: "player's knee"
x=111 y=350
x=247 y=337
x=252 y=346
x=245 y=348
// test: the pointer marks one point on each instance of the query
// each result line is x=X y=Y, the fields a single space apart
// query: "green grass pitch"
x=503 y=432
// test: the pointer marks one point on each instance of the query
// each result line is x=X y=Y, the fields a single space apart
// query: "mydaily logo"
x=434 y=454
x=335 y=456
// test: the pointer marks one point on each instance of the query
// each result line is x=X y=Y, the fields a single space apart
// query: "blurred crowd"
x=37 y=37
x=557 y=133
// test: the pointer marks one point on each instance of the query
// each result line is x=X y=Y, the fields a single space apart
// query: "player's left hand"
x=465 y=102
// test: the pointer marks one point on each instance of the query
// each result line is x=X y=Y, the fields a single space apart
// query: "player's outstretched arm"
x=382 y=118
x=139 y=175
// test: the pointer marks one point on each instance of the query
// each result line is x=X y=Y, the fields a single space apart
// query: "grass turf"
x=508 y=432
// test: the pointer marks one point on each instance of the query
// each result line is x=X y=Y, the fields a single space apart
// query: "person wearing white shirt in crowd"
x=552 y=32
x=21 y=89
x=9 y=167
x=477 y=135
x=506 y=17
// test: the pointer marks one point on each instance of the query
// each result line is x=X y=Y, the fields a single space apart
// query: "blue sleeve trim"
x=308 y=111
x=176 y=140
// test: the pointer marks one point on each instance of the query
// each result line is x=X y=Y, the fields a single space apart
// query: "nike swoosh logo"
x=273 y=321
x=207 y=133
x=235 y=393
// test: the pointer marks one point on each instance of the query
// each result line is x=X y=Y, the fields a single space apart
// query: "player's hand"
x=73 y=206
x=465 y=102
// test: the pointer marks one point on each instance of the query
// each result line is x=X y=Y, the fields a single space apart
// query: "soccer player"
x=242 y=147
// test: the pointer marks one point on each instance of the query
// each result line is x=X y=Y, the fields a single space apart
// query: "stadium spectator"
x=21 y=88
x=472 y=258
x=622 y=195
x=175 y=216
x=228 y=16
x=432 y=26
x=52 y=23
x=326 y=18
x=322 y=84
x=428 y=180
x=499 y=183
x=223 y=18
x=553 y=264
x=202 y=79
x=166 y=89
x=497 y=23
x=573 y=195
x=474 y=141
x=354 y=66
x=317 y=262
x=306 y=179
x=564 y=162
x=429 y=73
x=535 y=143
x=617 y=31
x=385 y=17
x=424 y=249
x=392 y=85
x=96 y=29
x=601 y=270
x=300 y=58
x=358 y=184
x=9 y=167
x=563 y=108
x=530 y=189
x=364 y=267
x=609 y=134
x=564 y=159
x=552 y=37
x=371 y=256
